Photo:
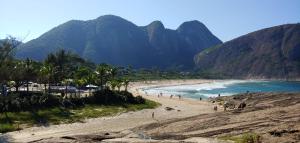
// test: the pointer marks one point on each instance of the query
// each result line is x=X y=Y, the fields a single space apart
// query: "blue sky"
x=227 y=19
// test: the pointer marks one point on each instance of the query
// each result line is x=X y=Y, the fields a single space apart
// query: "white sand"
x=183 y=108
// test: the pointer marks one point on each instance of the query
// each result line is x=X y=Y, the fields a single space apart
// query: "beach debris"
x=152 y=114
x=225 y=105
x=169 y=108
x=242 y=105
x=279 y=133
x=229 y=104
x=171 y=96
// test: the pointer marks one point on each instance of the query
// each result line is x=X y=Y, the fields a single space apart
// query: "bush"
x=115 y=97
x=16 y=102
x=23 y=101
x=244 y=138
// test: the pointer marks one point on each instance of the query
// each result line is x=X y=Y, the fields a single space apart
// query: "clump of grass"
x=57 y=115
x=7 y=127
x=148 y=105
x=244 y=138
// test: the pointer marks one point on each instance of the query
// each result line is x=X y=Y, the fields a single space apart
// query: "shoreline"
x=168 y=117
x=143 y=87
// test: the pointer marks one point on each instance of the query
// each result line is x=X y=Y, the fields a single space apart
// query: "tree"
x=46 y=73
x=30 y=72
x=103 y=72
x=65 y=64
x=6 y=56
x=119 y=84
x=17 y=74
x=126 y=83
x=113 y=84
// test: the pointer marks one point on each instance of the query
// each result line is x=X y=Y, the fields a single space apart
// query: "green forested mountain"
x=114 y=40
x=268 y=53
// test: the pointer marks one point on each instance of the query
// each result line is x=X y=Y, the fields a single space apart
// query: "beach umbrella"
x=91 y=86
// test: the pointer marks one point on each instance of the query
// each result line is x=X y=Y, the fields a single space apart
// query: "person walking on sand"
x=216 y=108
x=153 y=115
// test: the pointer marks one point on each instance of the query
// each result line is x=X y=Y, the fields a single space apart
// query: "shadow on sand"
x=4 y=138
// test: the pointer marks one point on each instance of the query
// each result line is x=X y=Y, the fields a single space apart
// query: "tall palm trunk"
x=27 y=86
x=45 y=86
x=49 y=87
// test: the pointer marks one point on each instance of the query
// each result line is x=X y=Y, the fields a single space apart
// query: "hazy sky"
x=227 y=19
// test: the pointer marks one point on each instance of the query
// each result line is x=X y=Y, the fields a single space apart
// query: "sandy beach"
x=181 y=108
x=275 y=117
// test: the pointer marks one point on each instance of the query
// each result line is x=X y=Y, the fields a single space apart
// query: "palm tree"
x=67 y=82
x=119 y=84
x=102 y=72
x=30 y=72
x=113 y=84
x=113 y=72
x=47 y=72
x=79 y=84
x=126 y=83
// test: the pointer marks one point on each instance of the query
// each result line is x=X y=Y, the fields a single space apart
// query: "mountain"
x=114 y=40
x=268 y=53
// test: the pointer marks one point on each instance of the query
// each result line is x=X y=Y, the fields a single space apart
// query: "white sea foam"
x=197 y=89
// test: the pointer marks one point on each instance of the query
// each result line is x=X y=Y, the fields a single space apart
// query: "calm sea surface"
x=228 y=87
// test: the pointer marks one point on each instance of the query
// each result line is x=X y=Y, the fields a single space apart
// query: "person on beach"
x=216 y=108
x=200 y=98
x=219 y=95
x=225 y=105
x=171 y=96
x=153 y=115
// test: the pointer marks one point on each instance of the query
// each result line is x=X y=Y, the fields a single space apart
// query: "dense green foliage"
x=113 y=40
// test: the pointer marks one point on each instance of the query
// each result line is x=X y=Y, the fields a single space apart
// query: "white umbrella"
x=91 y=86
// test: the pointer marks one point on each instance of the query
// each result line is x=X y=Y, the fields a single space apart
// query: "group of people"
x=171 y=96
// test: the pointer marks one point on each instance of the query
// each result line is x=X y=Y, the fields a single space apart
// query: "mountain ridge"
x=117 y=41
x=268 y=53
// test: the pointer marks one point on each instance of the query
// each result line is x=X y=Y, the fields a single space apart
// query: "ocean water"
x=225 y=88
